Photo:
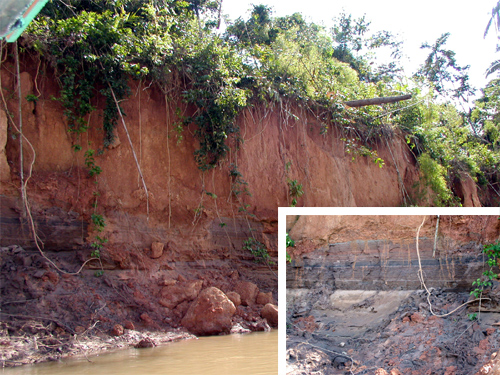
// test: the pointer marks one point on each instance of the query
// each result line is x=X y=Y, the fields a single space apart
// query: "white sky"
x=423 y=21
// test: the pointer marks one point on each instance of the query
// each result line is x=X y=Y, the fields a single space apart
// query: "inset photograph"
x=392 y=294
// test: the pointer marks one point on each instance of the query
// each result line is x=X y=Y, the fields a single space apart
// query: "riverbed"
x=251 y=354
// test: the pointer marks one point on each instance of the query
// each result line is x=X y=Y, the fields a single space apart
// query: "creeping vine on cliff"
x=26 y=211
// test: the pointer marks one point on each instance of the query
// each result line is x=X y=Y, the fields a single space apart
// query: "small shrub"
x=31 y=98
x=493 y=253
x=258 y=250
x=295 y=191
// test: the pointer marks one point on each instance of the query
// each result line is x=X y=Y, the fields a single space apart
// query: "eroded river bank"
x=47 y=315
x=250 y=354
x=369 y=332
x=391 y=295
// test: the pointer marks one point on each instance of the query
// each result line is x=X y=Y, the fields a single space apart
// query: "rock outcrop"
x=379 y=252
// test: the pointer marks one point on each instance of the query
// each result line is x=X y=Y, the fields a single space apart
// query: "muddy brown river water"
x=250 y=354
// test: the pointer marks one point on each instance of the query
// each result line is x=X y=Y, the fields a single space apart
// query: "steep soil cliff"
x=158 y=250
x=356 y=298
x=198 y=214
x=174 y=225
x=276 y=148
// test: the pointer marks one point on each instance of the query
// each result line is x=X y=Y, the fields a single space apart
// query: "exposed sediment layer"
x=355 y=303
x=383 y=265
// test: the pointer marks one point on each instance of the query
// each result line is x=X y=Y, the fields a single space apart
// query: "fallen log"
x=377 y=101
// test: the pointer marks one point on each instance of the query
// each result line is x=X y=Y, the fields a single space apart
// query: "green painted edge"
x=25 y=21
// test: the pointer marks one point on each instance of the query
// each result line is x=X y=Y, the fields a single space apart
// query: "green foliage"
x=153 y=40
x=485 y=117
x=493 y=253
x=98 y=273
x=212 y=195
x=494 y=20
x=443 y=72
x=454 y=144
x=238 y=185
x=295 y=191
x=258 y=250
x=472 y=316
x=214 y=71
x=97 y=46
x=256 y=30
x=351 y=37
x=239 y=188
x=289 y=243
x=94 y=170
x=31 y=98
x=263 y=58
x=287 y=57
x=434 y=176
x=95 y=253
x=98 y=221
x=494 y=67
x=354 y=148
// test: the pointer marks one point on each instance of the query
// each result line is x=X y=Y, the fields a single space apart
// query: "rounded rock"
x=210 y=313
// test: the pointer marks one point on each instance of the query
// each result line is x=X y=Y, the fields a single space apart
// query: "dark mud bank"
x=363 y=332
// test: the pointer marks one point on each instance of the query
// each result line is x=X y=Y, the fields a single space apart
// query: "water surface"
x=249 y=354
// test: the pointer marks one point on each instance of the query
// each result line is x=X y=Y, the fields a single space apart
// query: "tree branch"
x=377 y=101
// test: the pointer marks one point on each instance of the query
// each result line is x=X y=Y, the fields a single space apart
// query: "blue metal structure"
x=16 y=15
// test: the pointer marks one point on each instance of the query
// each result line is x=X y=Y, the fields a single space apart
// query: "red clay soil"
x=46 y=315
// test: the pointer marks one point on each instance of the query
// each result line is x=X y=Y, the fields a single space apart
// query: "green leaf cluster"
x=295 y=191
x=493 y=253
x=214 y=72
x=96 y=46
x=289 y=243
x=258 y=250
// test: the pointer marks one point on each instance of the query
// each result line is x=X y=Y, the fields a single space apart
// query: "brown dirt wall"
x=356 y=303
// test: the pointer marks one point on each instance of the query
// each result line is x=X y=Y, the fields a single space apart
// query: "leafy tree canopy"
x=442 y=71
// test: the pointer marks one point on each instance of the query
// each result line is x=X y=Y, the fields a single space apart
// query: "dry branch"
x=377 y=101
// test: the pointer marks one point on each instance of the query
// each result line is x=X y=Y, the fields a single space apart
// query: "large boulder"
x=172 y=295
x=270 y=313
x=210 y=314
x=248 y=292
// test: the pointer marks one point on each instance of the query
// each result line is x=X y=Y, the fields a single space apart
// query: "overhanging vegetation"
x=266 y=59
